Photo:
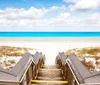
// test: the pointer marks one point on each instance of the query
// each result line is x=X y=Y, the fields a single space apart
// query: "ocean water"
x=49 y=34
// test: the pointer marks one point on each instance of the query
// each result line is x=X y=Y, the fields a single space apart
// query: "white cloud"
x=53 y=8
x=94 y=16
x=56 y=8
x=31 y=13
x=84 y=5
x=73 y=1
x=34 y=19
x=64 y=15
x=94 y=19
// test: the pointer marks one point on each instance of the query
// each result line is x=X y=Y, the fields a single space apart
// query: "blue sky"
x=49 y=15
x=28 y=3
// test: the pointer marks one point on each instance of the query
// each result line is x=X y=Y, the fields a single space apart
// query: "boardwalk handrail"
x=79 y=69
x=62 y=57
x=22 y=66
x=93 y=78
x=75 y=72
x=17 y=73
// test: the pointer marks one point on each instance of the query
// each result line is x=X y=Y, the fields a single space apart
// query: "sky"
x=49 y=15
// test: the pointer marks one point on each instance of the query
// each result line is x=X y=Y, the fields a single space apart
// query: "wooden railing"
x=27 y=69
x=75 y=72
x=24 y=71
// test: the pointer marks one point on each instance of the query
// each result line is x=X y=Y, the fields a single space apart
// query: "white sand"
x=5 y=61
x=51 y=46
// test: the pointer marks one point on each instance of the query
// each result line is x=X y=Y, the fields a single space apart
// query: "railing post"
x=70 y=77
x=27 y=77
x=38 y=58
x=33 y=71
x=21 y=83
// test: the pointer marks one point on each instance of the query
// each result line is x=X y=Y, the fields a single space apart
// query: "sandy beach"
x=52 y=45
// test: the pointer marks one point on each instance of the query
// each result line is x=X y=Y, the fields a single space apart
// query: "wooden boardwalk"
x=49 y=75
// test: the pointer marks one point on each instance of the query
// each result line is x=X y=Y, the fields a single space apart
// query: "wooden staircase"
x=49 y=75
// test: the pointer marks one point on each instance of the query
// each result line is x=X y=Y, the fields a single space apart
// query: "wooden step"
x=43 y=69
x=49 y=81
x=50 y=66
x=50 y=73
x=47 y=84
x=48 y=78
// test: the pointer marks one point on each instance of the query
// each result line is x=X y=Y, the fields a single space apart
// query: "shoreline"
x=49 y=39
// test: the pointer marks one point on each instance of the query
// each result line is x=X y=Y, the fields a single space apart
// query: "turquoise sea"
x=49 y=34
